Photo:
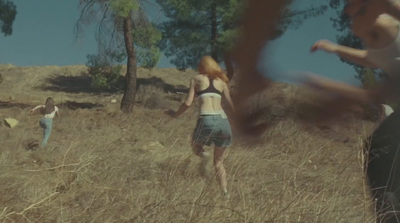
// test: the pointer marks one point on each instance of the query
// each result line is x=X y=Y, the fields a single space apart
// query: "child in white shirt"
x=49 y=110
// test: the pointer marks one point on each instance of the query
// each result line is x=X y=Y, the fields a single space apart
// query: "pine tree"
x=123 y=29
x=8 y=11
x=198 y=27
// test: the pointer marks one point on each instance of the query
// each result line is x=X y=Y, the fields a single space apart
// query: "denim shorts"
x=213 y=129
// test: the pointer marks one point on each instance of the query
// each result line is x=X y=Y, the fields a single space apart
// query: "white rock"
x=10 y=122
x=113 y=101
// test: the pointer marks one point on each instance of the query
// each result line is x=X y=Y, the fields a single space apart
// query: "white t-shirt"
x=51 y=115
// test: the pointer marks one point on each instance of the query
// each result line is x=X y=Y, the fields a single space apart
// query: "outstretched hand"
x=325 y=45
x=170 y=113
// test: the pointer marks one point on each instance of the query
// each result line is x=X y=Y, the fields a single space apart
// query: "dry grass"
x=103 y=166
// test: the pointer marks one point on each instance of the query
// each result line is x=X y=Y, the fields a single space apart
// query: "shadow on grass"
x=73 y=105
x=158 y=82
x=75 y=84
x=10 y=104
x=82 y=84
x=68 y=104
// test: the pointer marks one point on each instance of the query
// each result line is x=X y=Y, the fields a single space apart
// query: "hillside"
x=104 y=166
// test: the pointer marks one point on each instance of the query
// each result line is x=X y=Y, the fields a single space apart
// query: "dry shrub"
x=152 y=97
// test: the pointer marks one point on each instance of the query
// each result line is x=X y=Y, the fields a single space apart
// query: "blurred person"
x=376 y=23
x=212 y=124
x=258 y=27
x=48 y=110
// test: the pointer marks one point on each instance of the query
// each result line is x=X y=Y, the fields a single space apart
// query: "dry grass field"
x=104 y=166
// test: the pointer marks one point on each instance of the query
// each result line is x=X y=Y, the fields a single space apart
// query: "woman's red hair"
x=208 y=66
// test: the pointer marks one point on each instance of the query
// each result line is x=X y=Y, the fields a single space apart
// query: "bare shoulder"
x=220 y=84
x=387 y=20
x=387 y=27
x=198 y=77
x=220 y=81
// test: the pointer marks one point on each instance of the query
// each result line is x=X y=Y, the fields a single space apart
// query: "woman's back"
x=209 y=92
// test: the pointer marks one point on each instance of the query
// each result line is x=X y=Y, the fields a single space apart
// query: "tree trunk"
x=128 y=100
x=214 y=53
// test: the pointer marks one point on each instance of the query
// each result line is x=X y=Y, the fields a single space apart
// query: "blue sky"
x=43 y=35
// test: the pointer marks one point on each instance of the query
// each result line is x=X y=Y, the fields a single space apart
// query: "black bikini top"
x=209 y=89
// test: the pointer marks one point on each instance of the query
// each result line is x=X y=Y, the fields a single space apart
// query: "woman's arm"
x=35 y=108
x=340 y=98
x=353 y=93
x=227 y=96
x=387 y=90
x=354 y=55
x=188 y=102
x=57 y=112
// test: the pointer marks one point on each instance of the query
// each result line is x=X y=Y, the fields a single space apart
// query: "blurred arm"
x=35 y=108
x=189 y=100
x=228 y=97
x=354 y=55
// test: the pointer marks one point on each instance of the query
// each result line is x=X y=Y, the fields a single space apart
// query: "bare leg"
x=197 y=149
x=219 y=168
x=205 y=158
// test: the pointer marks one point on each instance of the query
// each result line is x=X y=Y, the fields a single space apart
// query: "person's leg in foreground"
x=383 y=169
x=220 y=169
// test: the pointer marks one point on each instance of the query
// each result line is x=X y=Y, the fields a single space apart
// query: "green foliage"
x=146 y=39
x=199 y=27
x=8 y=11
x=148 y=58
x=122 y=7
x=104 y=74
x=188 y=34
x=369 y=78
x=109 y=33
x=122 y=27
x=147 y=35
